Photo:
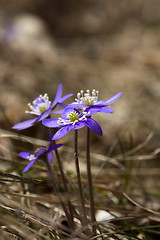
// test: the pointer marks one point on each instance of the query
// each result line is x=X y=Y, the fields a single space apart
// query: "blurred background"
x=108 y=45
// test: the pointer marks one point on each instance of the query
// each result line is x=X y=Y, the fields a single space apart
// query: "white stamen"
x=31 y=157
x=73 y=117
x=87 y=98
x=39 y=105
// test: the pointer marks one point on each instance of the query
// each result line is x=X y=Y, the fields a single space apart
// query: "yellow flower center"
x=73 y=116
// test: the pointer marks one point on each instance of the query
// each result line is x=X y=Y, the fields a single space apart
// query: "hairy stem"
x=55 y=188
x=89 y=175
x=84 y=216
x=65 y=185
x=71 y=220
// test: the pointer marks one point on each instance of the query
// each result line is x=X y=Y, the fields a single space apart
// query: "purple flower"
x=42 y=107
x=72 y=119
x=89 y=102
x=39 y=154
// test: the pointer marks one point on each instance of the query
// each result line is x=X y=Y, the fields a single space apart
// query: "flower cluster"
x=78 y=114
x=74 y=116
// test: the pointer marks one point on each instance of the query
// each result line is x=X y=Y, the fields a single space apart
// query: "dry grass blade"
x=138 y=205
x=8 y=134
x=140 y=146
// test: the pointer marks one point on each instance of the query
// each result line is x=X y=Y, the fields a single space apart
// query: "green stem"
x=89 y=175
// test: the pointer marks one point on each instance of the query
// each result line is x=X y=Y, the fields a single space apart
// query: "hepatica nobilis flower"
x=42 y=107
x=72 y=119
x=39 y=155
x=89 y=102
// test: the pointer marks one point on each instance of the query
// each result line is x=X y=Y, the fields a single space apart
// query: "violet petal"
x=62 y=132
x=93 y=125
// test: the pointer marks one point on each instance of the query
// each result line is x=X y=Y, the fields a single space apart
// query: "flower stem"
x=84 y=216
x=55 y=188
x=89 y=175
x=71 y=220
x=65 y=185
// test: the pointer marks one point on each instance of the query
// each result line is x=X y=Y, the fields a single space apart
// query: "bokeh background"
x=108 y=45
